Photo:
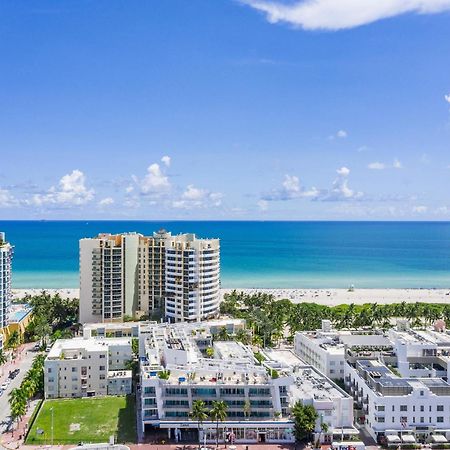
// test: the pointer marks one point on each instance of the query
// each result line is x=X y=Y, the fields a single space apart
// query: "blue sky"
x=225 y=109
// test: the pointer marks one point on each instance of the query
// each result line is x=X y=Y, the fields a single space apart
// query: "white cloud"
x=447 y=98
x=343 y=171
x=194 y=197
x=71 y=190
x=340 y=191
x=396 y=164
x=6 y=199
x=376 y=166
x=290 y=189
x=166 y=160
x=341 y=134
x=108 y=201
x=341 y=14
x=263 y=205
x=421 y=209
x=154 y=183
x=129 y=189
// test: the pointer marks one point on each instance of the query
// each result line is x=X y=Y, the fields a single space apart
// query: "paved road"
x=24 y=365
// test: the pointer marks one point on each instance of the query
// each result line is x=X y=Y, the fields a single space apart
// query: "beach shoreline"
x=329 y=297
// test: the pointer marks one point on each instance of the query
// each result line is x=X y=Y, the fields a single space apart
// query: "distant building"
x=87 y=367
x=6 y=253
x=134 y=275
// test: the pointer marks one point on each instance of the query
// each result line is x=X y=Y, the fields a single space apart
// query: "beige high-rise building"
x=134 y=275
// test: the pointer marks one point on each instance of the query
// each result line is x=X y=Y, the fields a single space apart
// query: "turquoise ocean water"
x=258 y=254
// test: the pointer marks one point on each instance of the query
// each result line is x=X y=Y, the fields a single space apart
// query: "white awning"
x=438 y=438
x=409 y=438
x=391 y=438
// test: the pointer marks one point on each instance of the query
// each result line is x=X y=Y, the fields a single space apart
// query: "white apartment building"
x=134 y=275
x=327 y=349
x=175 y=371
x=86 y=367
x=192 y=278
x=397 y=409
x=6 y=252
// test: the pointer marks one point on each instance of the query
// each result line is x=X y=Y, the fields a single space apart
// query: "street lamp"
x=51 y=409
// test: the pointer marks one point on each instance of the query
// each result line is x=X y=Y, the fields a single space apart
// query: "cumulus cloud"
x=397 y=164
x=107 y=201
x=263 y=205
x=290 y=189
x=166 y=160
x=6 y=199
x=154 y=183
x=71 y=191
x=447 y=98
x=340 y=190
x=341 y=14
x=377 y=165
x=194 y=197
x=341 y=134
x=420 y=209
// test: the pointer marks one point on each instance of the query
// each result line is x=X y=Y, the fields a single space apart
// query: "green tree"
x=209 y=352
x=305 y=417
x=2 y=358
x=218 y=413
x=13 y=340
x=200 y=414
x=17 y=403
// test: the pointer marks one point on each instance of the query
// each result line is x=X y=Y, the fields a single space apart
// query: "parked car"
x=4 y=386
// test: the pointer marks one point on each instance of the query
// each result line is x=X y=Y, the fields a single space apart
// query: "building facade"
x=176 y=371
x=87 y=367
x=133 y=275
x=6 y=253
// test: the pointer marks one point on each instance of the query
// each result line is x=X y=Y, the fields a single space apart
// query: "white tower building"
x=6 y=252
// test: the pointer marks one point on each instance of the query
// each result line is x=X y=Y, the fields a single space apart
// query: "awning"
x=438 y=438
x=408 y=438
x=392 y=438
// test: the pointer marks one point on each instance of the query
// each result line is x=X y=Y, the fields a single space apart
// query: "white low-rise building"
x=175 y=371
x=394 y=407
x=327 y=349
x=79 y=367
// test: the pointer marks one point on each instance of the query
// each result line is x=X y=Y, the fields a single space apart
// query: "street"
x=23 y=362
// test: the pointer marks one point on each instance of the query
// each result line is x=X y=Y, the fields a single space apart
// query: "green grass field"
x=85 y=420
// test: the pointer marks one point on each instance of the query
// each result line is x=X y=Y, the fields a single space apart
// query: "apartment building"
x=6 y=253
x=328 y=349
x=398 y=409
x=134 y=275
x=192 y=278
x=86 y=367
x=175 y=371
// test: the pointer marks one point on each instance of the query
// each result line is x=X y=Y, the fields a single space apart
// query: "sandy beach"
x=330 y=297
x=333 y=297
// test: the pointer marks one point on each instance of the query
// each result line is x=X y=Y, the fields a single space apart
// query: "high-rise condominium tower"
x=133 y=275
x=6 y=252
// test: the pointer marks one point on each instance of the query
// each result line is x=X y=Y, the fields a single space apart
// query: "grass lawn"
x=85 y=420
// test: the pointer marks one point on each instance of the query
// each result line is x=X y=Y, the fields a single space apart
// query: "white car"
x=4 y=386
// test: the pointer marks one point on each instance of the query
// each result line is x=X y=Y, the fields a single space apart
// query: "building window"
x=439 y=419
x=403 y=408
x=440 y=408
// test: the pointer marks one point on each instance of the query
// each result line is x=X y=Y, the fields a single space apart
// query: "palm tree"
x=17 y=403
x=219 y=414
x=2 y=358
x=14 y=340
x=200 y=414
x=247 y=408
